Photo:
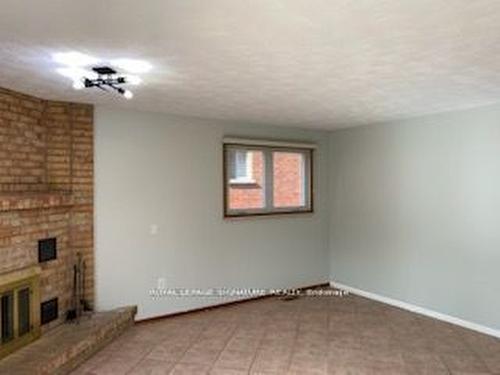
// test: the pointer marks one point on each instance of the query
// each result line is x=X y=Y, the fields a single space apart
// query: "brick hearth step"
x=63 y=348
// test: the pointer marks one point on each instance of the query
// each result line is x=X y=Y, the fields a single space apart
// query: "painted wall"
x=415 y=212
x=164 y=171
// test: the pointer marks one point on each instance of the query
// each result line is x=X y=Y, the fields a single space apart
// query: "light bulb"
x=128 y=94
x=78 y=85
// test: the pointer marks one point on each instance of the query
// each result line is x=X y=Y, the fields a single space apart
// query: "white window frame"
x=269 y=148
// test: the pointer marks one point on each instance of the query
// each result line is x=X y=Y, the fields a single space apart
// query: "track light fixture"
x=107 y=78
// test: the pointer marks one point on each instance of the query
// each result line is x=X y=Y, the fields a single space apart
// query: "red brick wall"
x=46 y=189
x=288 y=187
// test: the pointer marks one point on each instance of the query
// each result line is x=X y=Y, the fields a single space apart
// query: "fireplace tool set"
x=79 y=303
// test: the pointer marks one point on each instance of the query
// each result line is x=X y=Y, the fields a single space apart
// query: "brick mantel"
x=35 y=201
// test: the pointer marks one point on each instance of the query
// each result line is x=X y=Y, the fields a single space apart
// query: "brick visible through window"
x=289 y=180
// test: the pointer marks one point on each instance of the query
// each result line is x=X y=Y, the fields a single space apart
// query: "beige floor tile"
x=348 y=370
x=152 y=367
x=225 y=371
x=129 y=348
x=235 y=360
x=267 y=361
x=243 y=344
x=115 y=365
x=190 y=369
x=492 y=362
x=423 y=363
x=202 y=356
x=464 y=362
x=168 y=351
x=308 y=363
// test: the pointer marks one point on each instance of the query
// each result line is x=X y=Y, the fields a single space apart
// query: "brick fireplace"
x=46 y=199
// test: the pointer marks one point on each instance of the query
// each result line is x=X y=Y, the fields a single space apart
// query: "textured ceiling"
x=308 y=63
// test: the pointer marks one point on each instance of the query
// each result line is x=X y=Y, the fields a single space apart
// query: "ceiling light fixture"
x=107 y=78
x=103 y=77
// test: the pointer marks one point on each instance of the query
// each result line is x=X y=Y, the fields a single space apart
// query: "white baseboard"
x=419 y=310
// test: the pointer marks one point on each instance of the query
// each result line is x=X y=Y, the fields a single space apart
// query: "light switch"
x=153 y=229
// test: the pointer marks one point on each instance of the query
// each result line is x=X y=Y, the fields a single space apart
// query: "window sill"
x=235 y=181
x=275 y=214
x=243 y=184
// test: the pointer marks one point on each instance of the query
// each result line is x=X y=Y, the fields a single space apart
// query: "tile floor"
x=309 y=335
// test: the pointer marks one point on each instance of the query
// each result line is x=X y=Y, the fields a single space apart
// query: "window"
x=267 y=178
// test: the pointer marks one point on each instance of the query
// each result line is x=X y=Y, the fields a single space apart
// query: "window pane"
x=241 y=165
x=289 y=179
x=246 y=179
x=7 y=314
x=23 y=309
x=240 y=169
